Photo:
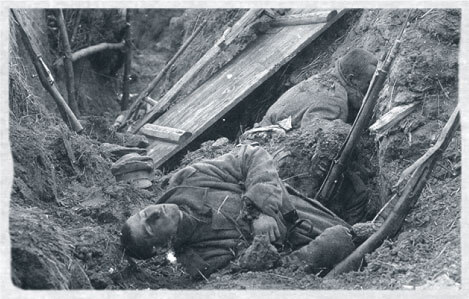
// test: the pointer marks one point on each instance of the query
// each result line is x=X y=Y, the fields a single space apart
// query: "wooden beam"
x=150 y=101
x=165 y=133
x=231 y=84
x=304 y=19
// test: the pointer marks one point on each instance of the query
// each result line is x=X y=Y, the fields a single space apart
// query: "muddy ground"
x=65 y=217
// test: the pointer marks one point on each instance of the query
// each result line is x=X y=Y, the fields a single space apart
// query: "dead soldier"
x=214 y=209
x=329 y=95
x=319 y=111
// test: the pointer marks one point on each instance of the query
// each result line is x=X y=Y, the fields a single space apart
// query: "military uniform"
x=220 y=197
x=322 y=96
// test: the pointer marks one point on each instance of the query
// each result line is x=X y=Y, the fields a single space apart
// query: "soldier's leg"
x=324 y=252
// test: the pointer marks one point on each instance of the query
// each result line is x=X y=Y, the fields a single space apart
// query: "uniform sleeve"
x=261 y=180
x=247 y=165
x=330 y=108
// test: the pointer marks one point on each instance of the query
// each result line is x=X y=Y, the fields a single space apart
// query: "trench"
x=428 y=245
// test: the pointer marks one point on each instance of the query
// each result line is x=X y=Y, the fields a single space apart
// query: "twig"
x=426 y=13
x=383 y=208
x=444 y=91
x=224 y=200
x=295 y=176
x=203 y=276
x=278 y=275
x=441 y=252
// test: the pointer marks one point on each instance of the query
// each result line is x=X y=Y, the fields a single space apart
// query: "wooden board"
x=233 y=83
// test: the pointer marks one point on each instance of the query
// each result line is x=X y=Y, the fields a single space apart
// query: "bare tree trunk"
x=70 y=82
x=127 y=64
x=47 y=80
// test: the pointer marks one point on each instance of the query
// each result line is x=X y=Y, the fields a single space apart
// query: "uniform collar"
x=186 y=228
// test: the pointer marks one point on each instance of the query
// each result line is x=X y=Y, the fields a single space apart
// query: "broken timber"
x=392 y=117
x=165 y=133
x=304 y=19
x=218 y=95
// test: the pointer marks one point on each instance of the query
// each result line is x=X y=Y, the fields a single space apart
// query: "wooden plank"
x=233 y=83
x=247 y=19
x=165 y=133
x=304 y=19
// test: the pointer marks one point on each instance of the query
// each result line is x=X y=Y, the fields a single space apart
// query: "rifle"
x=335 y=174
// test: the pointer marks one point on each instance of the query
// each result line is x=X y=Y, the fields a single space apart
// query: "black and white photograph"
x=243 y=147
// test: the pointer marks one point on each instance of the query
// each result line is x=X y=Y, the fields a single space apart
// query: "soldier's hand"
x=266 y=225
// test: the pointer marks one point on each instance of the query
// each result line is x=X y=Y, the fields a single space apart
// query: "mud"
x=65 y=215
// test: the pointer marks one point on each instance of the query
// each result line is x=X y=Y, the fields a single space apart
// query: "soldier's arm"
x=330 y=108
x=250 y=166
x=262 y=183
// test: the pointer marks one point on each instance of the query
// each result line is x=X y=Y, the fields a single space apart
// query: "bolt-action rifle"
x=335 y=174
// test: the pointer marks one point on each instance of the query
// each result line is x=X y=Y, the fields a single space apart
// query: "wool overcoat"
x=322 y=96
x=220 y=197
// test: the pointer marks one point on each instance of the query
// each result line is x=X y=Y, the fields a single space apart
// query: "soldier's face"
x=155 y=224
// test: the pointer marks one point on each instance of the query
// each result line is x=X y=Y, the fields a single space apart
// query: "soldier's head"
x=357 y=68
x=151 y=228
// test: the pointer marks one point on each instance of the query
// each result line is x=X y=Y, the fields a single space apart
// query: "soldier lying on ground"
x=319 y=109
x=328 y=95
x=213 y=209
